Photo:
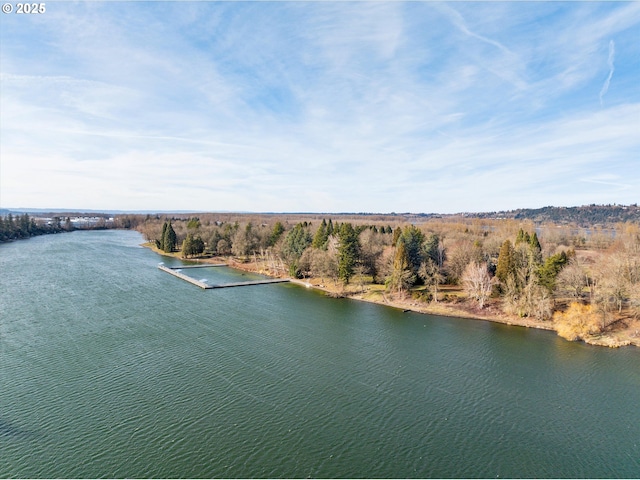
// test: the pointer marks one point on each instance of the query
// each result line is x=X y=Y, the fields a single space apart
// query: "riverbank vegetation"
x=582 y=282
x=22 y=225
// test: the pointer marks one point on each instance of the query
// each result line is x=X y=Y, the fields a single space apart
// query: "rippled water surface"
x=111 y=368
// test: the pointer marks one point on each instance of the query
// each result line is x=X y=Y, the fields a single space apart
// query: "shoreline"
x=378 y=297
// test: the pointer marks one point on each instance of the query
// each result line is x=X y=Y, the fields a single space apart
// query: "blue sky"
x=320 y=106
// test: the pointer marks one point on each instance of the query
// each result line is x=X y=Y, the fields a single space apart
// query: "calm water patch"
x=111 y=368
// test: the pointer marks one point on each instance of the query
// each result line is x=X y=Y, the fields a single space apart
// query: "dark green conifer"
x=535 y=243
x=506 y=262
x=330 y=229
x=295 y=243
x=160 y=243
x=348 y=252
x=169 y=239
x=187 y=245
x=413 y=239
x=321 y=236
x=402 y=276
x=548 y=272
x=278 y=230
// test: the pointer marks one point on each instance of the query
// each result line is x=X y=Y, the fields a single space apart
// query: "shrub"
x=576 y=322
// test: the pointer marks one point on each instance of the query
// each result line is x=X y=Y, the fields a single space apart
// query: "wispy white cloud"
x=610 y=59
x=321 y=106
x=609 y=180
x=500 y=60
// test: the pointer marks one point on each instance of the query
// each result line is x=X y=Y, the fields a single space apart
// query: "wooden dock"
x=174 y=271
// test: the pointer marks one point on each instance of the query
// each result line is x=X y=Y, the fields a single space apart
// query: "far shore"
x=617 y=336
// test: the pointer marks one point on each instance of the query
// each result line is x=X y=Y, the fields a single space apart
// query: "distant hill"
x=586 y=215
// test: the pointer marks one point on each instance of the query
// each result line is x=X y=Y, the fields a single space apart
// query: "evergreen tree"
x=160 y=243
x=535 y=243
x=295 y=243
x=548 y=272
x=522 y=237
x=187 y=245
x=431 y=249
x=192 y=245
x=506 y=262
x=173 y=240
x=11 y=228
x=169 y=239
x=321 y=236
x=330 y=228
x=402 y=276
x=348 y=251
x=413 y=240
x=198 y=245
x=24 y=225
x=33 y=227
x=278 y=230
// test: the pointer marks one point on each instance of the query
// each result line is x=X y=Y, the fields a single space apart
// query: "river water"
x=110 y=367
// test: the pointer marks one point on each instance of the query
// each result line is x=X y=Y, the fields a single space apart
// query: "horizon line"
x=246 y=212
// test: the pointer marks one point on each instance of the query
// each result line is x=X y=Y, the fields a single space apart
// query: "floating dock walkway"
x=174 y=271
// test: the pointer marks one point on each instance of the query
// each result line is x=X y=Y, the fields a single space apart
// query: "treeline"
x=584 y=216
x=24 y=226
x=514 y=266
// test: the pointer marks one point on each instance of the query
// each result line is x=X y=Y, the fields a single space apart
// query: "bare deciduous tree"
x=371 y=246
x=535 y=301
x=477 y=282
x=324 y=263
x=573 y=278
x=430 y=273
x=459 y=256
